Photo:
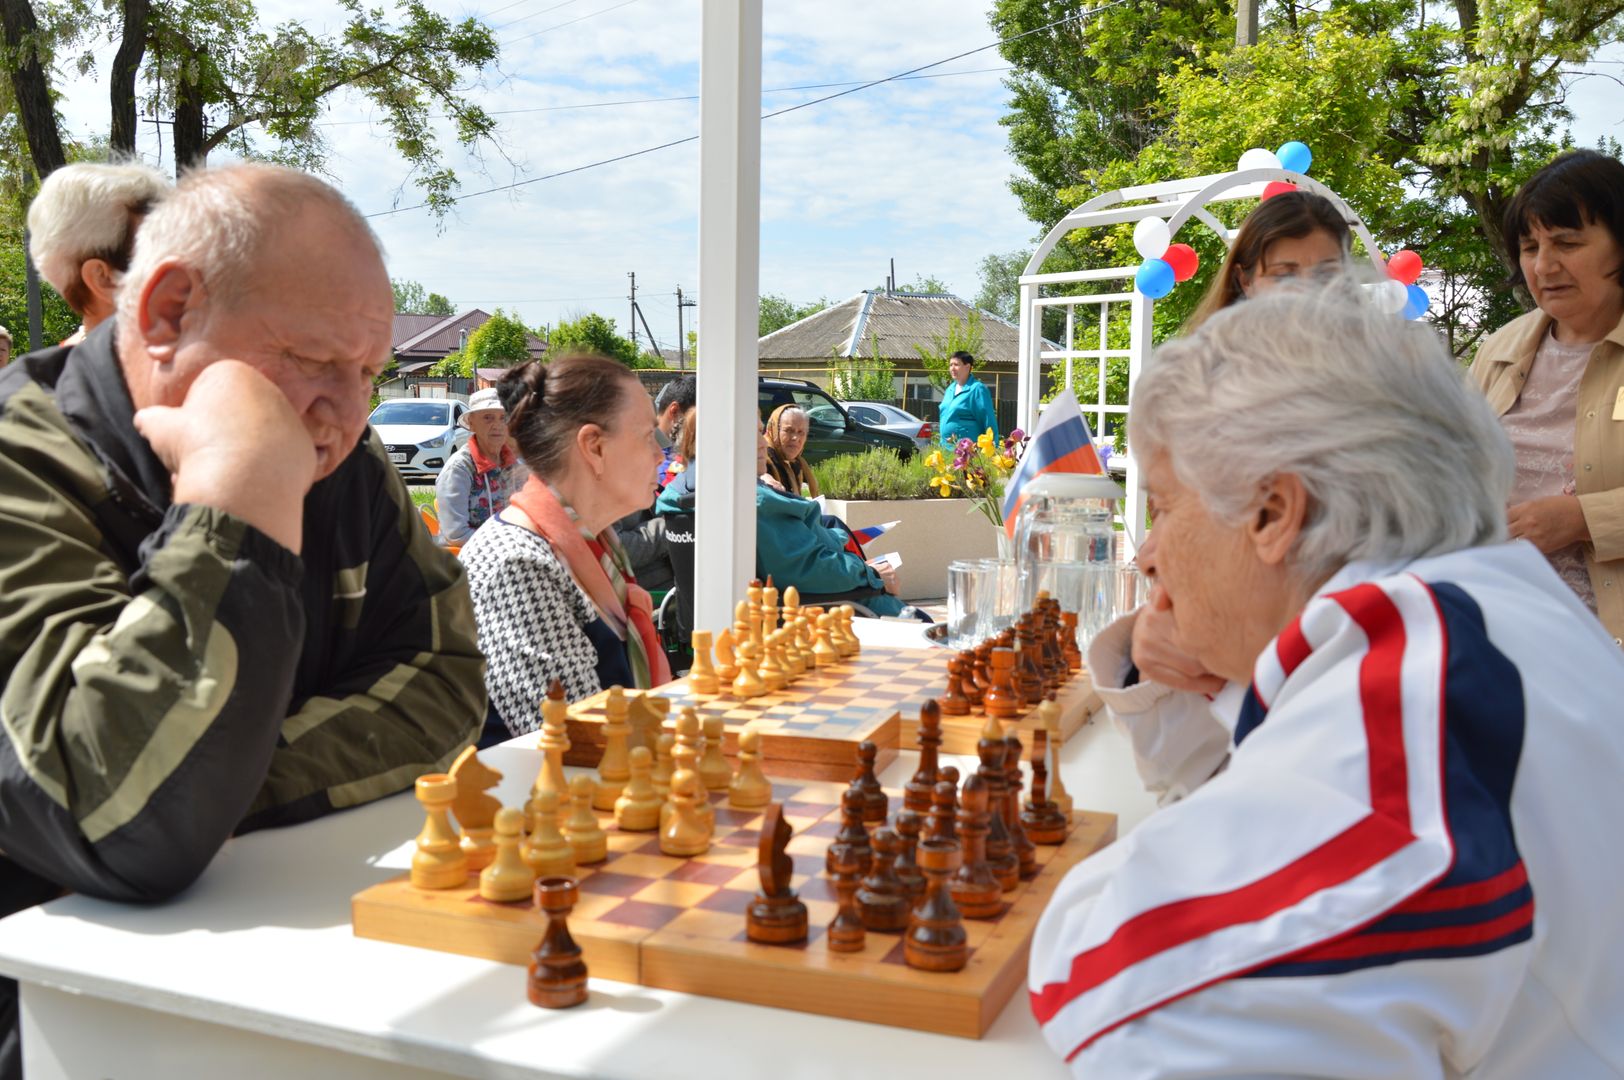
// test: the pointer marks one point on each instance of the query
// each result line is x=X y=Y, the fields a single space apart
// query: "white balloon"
x=1392 y=295
x=1150 y=238
x=1258 y=158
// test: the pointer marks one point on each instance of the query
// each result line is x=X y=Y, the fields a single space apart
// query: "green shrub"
x=873 y=474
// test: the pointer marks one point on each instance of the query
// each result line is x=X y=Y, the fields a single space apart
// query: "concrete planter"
x=933 y=533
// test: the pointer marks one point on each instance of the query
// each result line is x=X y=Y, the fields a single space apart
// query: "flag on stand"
x=1061 y=443
x=874 y=532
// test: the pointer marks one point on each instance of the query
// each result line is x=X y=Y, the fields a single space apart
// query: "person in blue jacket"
x=966 y=410
x=792 y=543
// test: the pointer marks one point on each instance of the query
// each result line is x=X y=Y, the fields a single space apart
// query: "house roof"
x=432 y=337
x=889 y=325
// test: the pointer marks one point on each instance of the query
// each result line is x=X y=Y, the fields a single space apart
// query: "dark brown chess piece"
x=1000 y=855
x=1028 y=665
x=852 y=837
x=1068 y=641
x=1042 y=819
x=1001 y=700
x=776 y=916
x=916 y=793
x=942 y=824
x=983 y=669
x=967 y=680
x=557 y=978
x=907 y=870
x=875 y=804
x=883 y=902
x=846 y=932
x=936 y=940
x=976 y=891
x=1022 y=845
x=954 y=703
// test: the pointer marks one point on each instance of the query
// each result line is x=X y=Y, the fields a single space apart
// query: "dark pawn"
x=875 y=804
x=776 y=916
x=978 y=894
x=1068 y=641
x=1001 y=699
x=852 y=837
x=916 y=794
x=557 y=977
x=967 y=680
x=882 y=900
x=1025 y=852
x=846 y=932
x=936 y=940
x=944 y=809
x=907 y=870
x=1042 y=819
x=1000 y=855
x=954 y=702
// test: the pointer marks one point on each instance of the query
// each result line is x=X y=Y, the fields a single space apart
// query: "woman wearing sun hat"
x=481 y=477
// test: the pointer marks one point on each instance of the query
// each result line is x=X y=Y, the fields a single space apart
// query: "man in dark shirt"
x=218 y=610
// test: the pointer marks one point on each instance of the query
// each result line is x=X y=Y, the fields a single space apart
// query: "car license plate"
x=398 y=459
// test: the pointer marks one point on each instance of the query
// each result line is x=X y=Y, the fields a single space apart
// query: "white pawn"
x=684 y=830
x=751 y=790
x=590 y=842
x=714 y=771
x=638 y=808
x=508 y=877
x=664 y=764
x=613 y=770
x=547 y=852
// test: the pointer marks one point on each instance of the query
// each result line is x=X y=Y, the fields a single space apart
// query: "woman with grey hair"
x=1417 y=738
x=82 y=227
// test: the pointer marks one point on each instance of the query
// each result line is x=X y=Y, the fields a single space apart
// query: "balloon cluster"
x=1166 y=263
x=1400 y=293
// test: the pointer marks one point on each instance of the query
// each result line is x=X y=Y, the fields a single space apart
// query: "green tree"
x=221 y=80
x=778 y=311
x=859 y=379
x=60 y=321
x=1000 y=284
x=1425 y=125
x=458 y=362
x=499 y=341
x=592 y=333
x=412 y=299
x=962 y=335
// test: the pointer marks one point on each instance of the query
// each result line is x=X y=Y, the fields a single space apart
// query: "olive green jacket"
x=169 y=675
x=1502 y=366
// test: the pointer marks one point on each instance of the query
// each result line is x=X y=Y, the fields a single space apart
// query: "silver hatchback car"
x=420 y=434
x=878 y=414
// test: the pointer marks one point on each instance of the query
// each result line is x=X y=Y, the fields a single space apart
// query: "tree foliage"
x=859 y=379
x=592 y=333
x=1000 y=284
x=1424 y=119
x=412 y=299
x=500 y=341
x=962 y=335
x=60 y=321
x=778 y=311
x=224 y=81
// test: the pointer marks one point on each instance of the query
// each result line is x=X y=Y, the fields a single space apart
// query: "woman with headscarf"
x=787 y=429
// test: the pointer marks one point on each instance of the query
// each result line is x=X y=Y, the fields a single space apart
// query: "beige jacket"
x=1500 y=370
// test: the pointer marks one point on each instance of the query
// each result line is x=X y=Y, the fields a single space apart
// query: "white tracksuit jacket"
x=1398 y=853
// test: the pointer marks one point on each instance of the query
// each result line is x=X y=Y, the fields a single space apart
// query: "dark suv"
x=833 y=431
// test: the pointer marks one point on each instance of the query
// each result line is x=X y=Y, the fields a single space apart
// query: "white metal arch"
x=1176 y=201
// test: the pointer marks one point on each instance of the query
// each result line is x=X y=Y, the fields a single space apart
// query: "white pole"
x=729 y=264
x=1139 y=321
x=1029 y=367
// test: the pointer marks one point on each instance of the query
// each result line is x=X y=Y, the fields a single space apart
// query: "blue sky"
x=915 y=170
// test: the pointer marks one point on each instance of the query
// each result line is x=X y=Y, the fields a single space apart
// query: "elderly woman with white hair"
x=1417 y=748
x=82 y=228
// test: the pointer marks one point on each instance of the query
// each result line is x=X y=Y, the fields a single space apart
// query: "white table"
x=253 y=972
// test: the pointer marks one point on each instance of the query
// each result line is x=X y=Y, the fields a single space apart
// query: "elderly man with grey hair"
x=81 y=231
x=219 y=611
x=1396 y=850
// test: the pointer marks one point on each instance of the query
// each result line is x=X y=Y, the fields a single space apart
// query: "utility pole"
x=1245 y=22
x=633 y=298
x=682 y=339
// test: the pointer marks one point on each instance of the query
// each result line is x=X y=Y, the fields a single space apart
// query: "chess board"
x=679 y=924
x=810 y=729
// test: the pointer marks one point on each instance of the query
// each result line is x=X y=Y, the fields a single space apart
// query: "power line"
x=571 y=22
x=682 y=97
x=532 y=15
x=793 y=108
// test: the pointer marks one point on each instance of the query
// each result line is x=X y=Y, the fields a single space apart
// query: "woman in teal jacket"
x=792 y=543
x=966 y=410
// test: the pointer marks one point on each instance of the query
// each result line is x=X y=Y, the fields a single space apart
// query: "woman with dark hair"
x=1555 y=376
x=554 y=596
x=787 y=429
x=1288 y=236
x=966 y=409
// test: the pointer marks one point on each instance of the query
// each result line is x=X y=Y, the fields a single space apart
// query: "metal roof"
x=889 y=325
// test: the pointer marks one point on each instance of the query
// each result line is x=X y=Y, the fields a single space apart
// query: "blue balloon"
x=1154 y=278
x=1295 y=156
x=1416 y=306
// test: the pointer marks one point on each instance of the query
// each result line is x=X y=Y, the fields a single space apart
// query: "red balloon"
x=1277 y=187
x=1405 y=267
x=1183 y=259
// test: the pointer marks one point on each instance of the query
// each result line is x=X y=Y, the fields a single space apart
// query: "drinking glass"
x=1000 y=604
x=964 y=599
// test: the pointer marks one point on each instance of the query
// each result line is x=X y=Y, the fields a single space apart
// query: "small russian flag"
x=1061 y=443
x=874 y=532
